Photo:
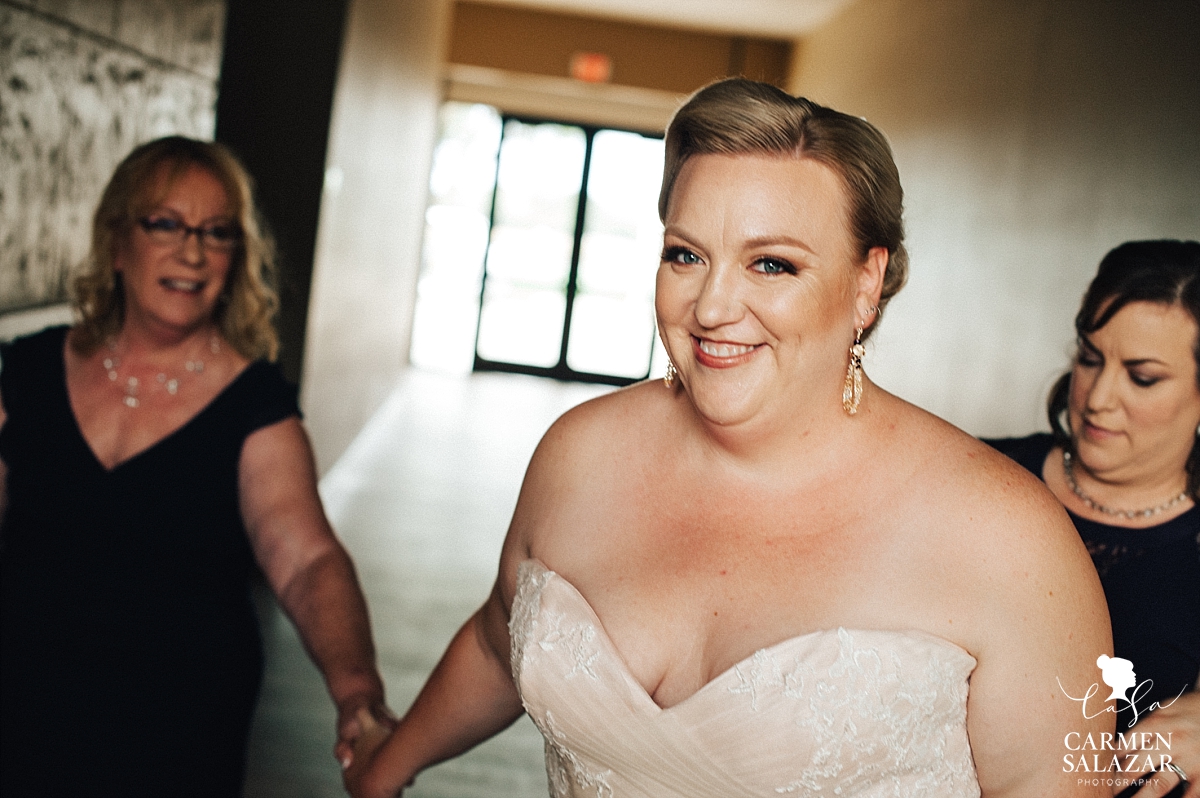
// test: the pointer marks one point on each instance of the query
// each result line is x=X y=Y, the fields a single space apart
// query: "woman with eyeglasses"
x=153 y=459
x=1124 y=460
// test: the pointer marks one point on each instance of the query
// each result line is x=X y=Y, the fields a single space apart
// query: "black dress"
x=1151 y=578
x=130 y=658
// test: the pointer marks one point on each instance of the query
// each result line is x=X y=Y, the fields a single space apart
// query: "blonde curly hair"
x=248 y=301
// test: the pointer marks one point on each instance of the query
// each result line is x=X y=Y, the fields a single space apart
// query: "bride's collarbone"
x=764 y=538
x=791 y=493
x=746 y=596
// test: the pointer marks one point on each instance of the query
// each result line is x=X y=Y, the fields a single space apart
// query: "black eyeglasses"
x=219 y=236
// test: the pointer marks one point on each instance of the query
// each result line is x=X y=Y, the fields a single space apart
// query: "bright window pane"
x=523 y=325
x=456 y=236
x=529 y=254
x=532 y=173
x=612 y=325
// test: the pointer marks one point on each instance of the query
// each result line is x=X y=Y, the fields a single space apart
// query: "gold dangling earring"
x=852 y=388
x=669 y=377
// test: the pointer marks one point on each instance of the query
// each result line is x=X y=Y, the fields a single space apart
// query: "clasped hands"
x=363 y=726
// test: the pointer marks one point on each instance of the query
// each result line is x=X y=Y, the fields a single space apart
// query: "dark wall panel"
x=273 y=109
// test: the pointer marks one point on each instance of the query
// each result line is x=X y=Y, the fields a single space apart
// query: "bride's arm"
x=1041 y=623
x=469 y=697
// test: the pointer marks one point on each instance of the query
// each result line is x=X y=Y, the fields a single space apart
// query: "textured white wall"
x=372 y=215
x=83 y=82
x=1031 y=137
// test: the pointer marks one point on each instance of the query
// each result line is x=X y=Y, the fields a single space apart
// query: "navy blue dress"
x=1151 y=578
x=130 y=658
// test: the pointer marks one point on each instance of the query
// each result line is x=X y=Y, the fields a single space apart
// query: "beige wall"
x=372 y=215
x=651 y=56
x=1031 y=137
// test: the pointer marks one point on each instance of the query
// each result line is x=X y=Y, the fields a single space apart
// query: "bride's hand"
x=372 y=734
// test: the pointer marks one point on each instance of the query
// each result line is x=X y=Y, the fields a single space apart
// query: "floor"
x=422 y=499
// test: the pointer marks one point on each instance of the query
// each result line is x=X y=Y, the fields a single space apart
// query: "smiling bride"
x=768 y=576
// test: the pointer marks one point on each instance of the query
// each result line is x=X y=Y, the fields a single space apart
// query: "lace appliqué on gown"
x=526 y=604
x=870 y=719
x=759 y=677
x=577 y=638
x=855 y=714
x=565 y=770
x=527 y=626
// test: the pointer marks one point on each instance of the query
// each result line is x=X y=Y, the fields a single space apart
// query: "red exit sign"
x=591 y=67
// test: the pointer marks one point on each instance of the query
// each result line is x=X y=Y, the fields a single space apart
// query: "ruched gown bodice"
x=836 y=712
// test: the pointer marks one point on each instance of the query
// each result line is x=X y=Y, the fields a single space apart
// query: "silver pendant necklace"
x=1132 y=515
x=132 y=385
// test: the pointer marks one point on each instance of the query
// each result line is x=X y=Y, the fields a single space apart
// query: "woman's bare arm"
x=469 y=697
x=309 y=570
x=1044 y=622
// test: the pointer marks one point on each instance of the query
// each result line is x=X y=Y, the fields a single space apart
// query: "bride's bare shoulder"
x=622 y=418
x=971 y=474
x=972 y=502
x=998 y=484
x=979 y=509
x=585 y=467
x=991 y=541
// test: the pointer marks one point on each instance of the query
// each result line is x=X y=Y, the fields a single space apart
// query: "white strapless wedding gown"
x=837 y=712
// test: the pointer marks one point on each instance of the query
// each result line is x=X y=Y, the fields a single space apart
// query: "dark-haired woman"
x=151 y=458
x=1125 y=462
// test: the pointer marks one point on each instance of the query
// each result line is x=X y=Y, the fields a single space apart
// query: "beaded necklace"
x=132 y=385
x=1069 y=471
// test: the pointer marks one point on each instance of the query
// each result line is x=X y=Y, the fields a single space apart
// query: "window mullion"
x=577 y=244
x=491 y=225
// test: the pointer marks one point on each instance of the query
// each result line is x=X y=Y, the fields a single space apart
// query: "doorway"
x=541 y=246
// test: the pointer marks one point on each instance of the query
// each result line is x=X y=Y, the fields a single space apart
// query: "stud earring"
x=852 y=388
x=669 y=377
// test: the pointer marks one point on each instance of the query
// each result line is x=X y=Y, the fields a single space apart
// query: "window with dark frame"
x=568 y=281
x=565 y=218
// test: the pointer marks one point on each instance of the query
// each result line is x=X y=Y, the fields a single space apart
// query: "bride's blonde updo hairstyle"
x=248 y=302
x=743 y=117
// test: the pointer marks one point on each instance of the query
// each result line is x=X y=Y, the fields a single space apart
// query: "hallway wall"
x=372 y=214
x=277 y=77
x=1031 y=137
x=670 y=59
x=83 y=83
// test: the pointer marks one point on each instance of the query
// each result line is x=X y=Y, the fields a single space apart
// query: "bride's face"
x=759 y=289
